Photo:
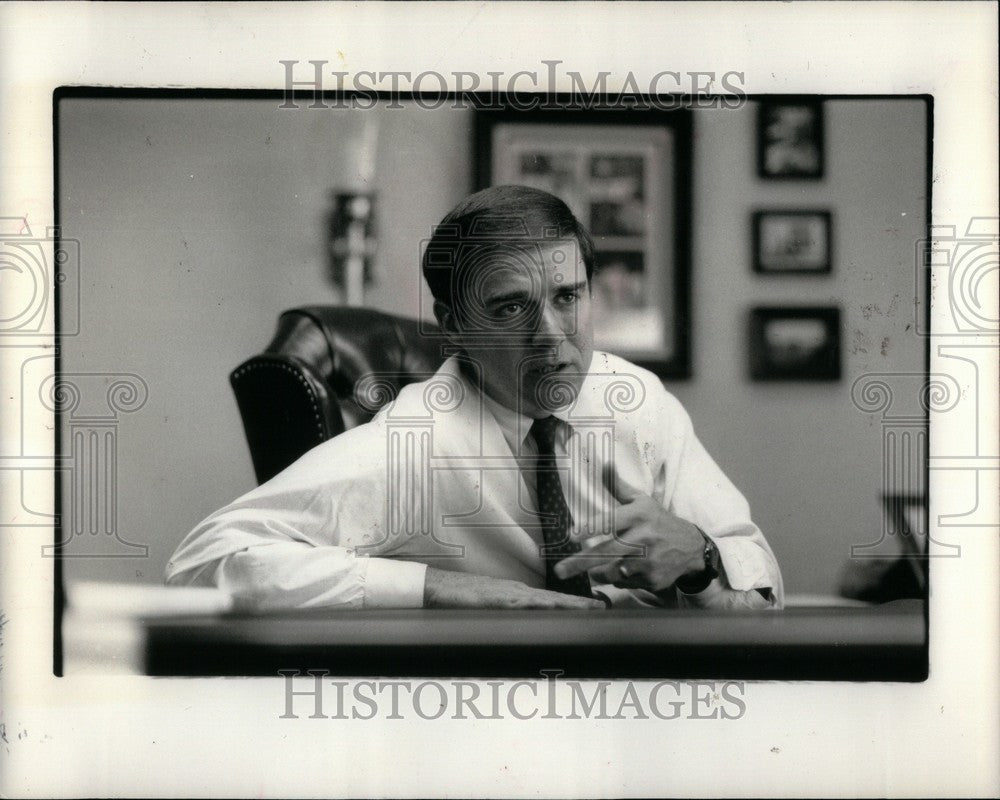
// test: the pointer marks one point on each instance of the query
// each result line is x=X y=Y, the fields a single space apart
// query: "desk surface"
x=878 y=643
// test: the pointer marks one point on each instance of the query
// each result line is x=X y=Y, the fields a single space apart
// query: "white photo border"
x=175 y=737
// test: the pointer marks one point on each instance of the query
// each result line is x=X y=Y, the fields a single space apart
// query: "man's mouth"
x=547 y=369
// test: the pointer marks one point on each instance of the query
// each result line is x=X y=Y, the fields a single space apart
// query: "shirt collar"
x=514 y=425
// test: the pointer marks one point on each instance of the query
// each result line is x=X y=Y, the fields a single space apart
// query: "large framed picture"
x=626 y=176
x=790 y=138
x=792 y=242
x=795 y=344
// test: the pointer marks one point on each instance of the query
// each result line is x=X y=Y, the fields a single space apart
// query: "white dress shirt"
x=441 y=477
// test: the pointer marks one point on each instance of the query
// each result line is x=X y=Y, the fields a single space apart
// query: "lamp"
x=351 y=221
x=352 y=244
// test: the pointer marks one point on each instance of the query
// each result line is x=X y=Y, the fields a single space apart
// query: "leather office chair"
x=304 y=388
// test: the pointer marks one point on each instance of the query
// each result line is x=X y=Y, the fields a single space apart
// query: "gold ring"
x=621 y=568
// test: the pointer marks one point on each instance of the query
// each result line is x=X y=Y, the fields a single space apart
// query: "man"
x=529 y=472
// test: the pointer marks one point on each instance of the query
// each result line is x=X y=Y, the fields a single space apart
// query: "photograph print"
x=790 y=139
x=792 y=242
x=337 y=393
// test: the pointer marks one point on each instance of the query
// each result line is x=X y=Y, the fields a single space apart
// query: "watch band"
x=698 y=582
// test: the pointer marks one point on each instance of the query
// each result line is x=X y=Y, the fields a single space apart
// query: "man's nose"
x=551 y=327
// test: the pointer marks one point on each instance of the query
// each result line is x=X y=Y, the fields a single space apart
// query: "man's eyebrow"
x=521 y=295
x=517 y=294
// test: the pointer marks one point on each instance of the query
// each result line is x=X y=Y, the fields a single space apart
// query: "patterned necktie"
x=554 y=513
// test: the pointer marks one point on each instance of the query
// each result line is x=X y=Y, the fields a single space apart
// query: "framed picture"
x=795 y=344
x=790 y=138
x=625 y=174
x=792 y=242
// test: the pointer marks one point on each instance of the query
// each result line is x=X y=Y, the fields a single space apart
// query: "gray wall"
x=199 y=221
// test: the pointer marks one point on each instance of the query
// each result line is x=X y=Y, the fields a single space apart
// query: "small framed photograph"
x=795 y=344
x=790 y=139
x=792 y=242
x=626 y=177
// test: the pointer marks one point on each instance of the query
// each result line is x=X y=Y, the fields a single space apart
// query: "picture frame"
x=792 y=242
x=626 y=174
x=790 y=139
x=795 y=343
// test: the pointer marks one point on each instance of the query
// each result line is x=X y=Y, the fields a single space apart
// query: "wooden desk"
x=886 y=642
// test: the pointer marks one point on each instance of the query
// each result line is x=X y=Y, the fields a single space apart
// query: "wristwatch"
x=699 y=581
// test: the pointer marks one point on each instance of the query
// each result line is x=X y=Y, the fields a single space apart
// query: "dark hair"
x=489 y=221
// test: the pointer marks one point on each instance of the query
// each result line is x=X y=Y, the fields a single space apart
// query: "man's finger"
x=624 y=517
x=596 y=556
x=619 y=489
x=581 y=562
x=612 y=573
x=560 y=600
x=583 y=602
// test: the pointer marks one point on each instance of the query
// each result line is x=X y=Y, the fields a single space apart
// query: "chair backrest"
x=327 y=369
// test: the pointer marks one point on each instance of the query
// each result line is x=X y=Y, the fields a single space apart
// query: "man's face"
x=524 y=319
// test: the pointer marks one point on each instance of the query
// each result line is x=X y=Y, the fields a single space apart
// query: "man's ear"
x=446 y=320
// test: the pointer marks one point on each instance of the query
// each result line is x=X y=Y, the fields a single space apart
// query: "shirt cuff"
x=706 y=595
x=393 y=584
x=743 y=563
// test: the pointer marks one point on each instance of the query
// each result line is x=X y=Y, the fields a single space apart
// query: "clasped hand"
x=652 y=547
x=651 y=550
